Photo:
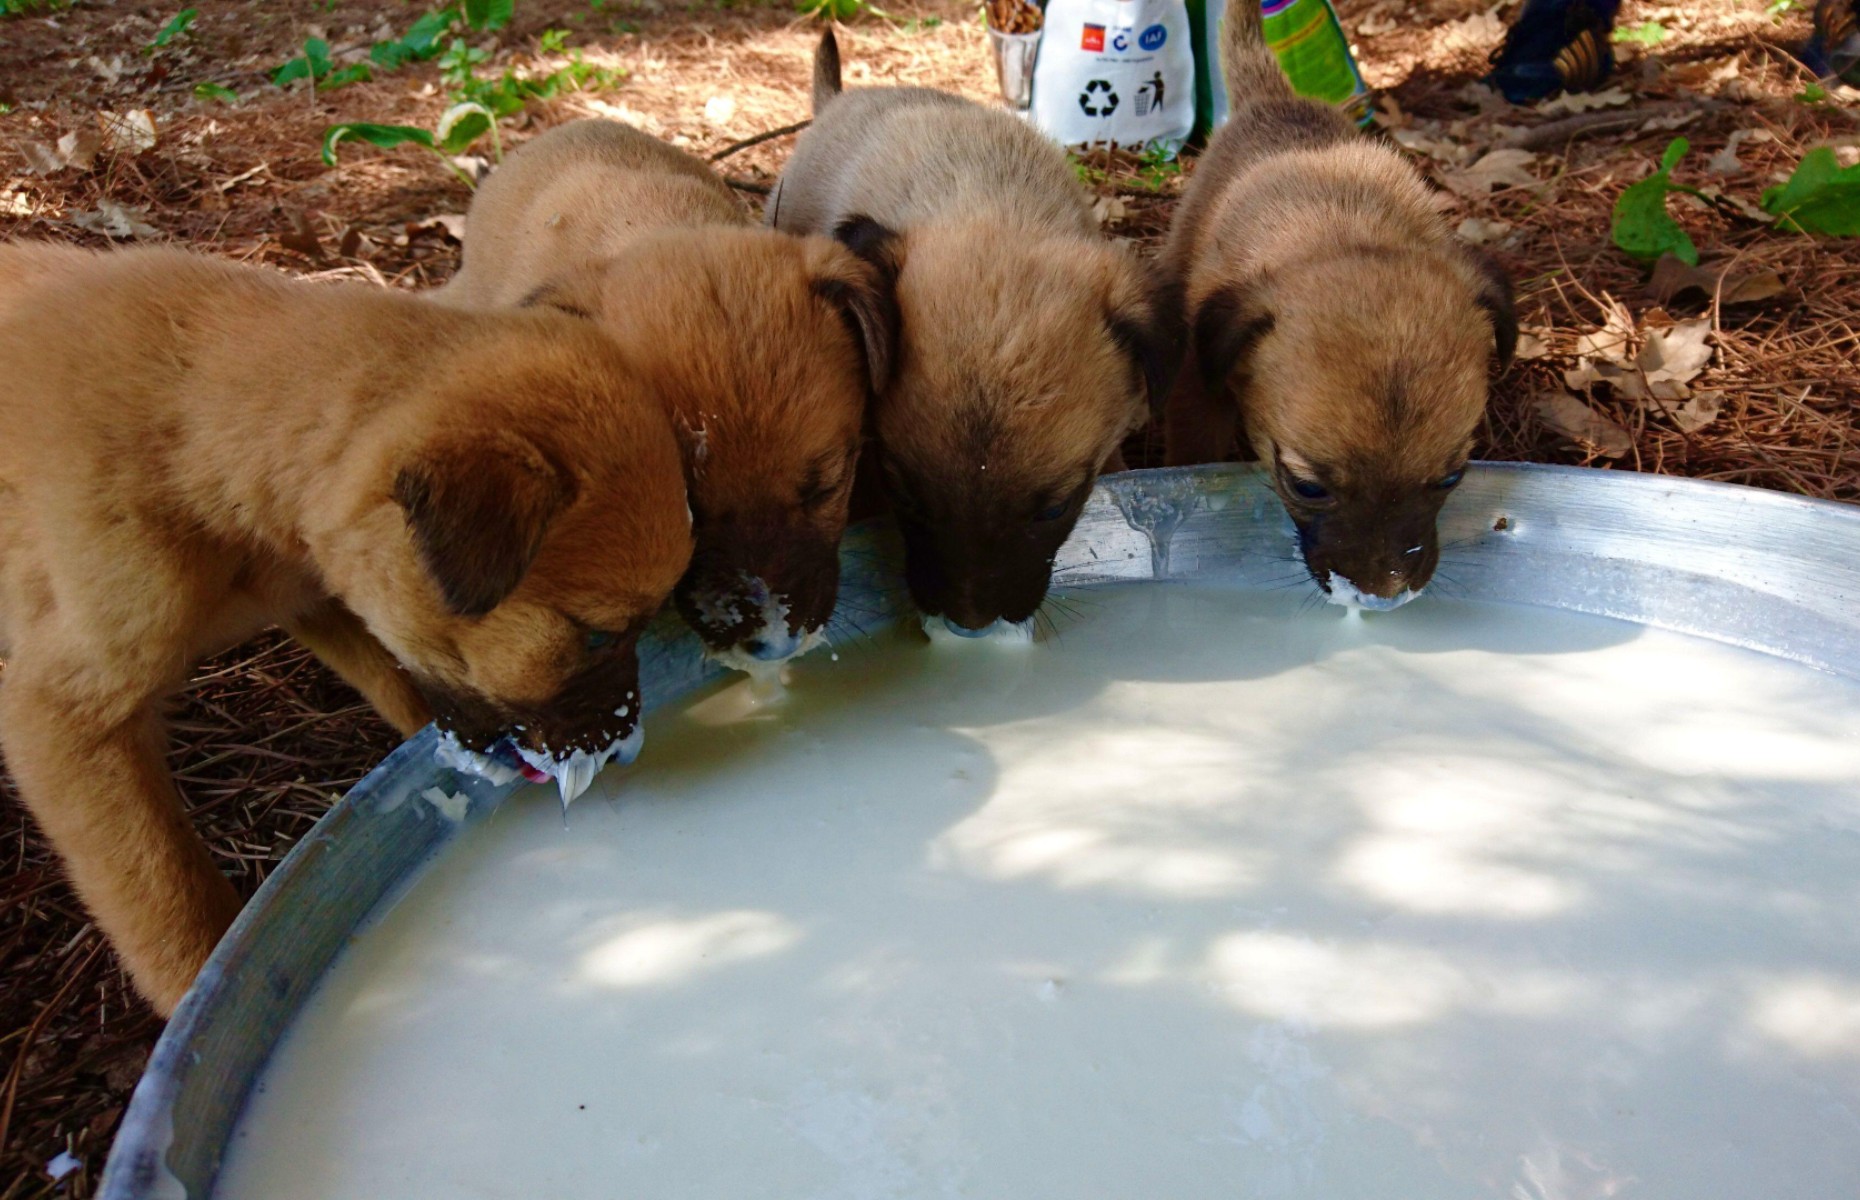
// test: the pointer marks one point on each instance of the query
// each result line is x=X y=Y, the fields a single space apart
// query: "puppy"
x=1028 y=344
x=468 y=517
x=1328 y=308
x=764 y=347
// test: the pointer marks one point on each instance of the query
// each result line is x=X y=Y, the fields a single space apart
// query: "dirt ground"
x=1755 y=379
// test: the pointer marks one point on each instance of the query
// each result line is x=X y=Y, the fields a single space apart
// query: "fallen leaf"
x=1109 y=209
x=1376 y=26
x=1497 y=169
x=1673 y=278
x=41 y=159
x=1582 y=425
x=450 y=226
x=1479 y=31
x=129 y=133
x=1422 y=140
x=1575 y=102
x=1726 y=162
x=1480 y=232
x=115 y=220
x=1531 y=346
x=302 y=238
x=719 y=109
x=15 y=204
x=1694 y=414
x=1677 y=354
x=1675 y=120
x=1614 y=340
x=79 y=148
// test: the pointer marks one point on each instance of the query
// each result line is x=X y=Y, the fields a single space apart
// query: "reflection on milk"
x=1207 y=898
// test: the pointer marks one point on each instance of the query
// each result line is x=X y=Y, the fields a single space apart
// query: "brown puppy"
x=464 y=515
x=766 y=348
x=1330 y=309
x=1028 y=345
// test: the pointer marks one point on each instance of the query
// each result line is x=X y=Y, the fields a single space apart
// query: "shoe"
x=1557 y=45
x=1835 y=48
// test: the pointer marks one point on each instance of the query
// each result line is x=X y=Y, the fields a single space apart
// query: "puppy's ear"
x=868 y=299
x=576 y=292
x=1228 y=325
x=1146 y=342
x=478 y=507
x=1494 y=295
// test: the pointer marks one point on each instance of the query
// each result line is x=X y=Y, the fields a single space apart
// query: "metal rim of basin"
x=1770 y=572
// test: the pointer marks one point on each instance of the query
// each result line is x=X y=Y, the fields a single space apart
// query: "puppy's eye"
x=1309 y=489
x=601 y=639
x=1052 y=512
x=1451 y=479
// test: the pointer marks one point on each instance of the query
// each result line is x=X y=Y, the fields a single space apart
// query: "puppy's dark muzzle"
x=594 y=710
x=759 y=590
x=974 y=582
x=1377 y=564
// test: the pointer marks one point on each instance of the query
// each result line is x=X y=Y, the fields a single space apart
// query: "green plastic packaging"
x=1309 y=43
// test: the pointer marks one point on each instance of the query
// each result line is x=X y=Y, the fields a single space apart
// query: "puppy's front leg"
x=101 y=791
x=338 y=637
x=1197 y=427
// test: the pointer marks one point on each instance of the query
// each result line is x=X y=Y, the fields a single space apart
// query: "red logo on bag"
x=1093 y=39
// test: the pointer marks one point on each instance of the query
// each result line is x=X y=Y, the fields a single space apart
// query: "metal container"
x=1757 y=569
x=1014 y=57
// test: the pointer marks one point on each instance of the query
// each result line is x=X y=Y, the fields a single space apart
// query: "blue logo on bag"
x=1153 y=37
x=1120 y=41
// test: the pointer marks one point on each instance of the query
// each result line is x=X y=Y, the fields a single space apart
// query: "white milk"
x=1207 y=898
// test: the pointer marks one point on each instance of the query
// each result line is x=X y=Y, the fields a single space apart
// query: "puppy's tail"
x=1253 y=72
x=826 y=70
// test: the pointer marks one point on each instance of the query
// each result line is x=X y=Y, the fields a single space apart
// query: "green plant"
x=1642 y=226
x=553 y=41
x=1820 y=197
x=486 y=15
x=1814 y=93
x=421 y=41
x=22 y=8
x=835 y=10
x=1647 y=33
x=1777 y=8
x=1156 y=167
x=176 y=26
x=215 y=91
x=458 y=128
x=315 y=65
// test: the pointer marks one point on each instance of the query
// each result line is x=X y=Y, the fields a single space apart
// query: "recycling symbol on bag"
x=1105 y=105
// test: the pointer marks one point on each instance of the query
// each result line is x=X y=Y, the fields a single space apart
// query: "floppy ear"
x=576 y=292
x=1494 y=295
x=477 y=507
x=868 y=302
x=1228 y=325
x=1147 y=344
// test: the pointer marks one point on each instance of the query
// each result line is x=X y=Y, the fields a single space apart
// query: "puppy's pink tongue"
x=533 y=775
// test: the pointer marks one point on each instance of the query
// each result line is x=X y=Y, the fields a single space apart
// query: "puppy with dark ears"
x=1328 y=310
x=469 y=517
x=1029 y=345
x=765 y=348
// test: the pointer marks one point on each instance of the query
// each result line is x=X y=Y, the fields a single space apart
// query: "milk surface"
x=1205 y=897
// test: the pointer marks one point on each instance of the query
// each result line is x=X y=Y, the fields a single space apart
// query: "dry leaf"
x=79 y=148
x=115 y=220
x=1575 y=102
x=128 y=134
x=302 y=238
x=1497 y=169
x=1480 y=232
x=1673 y=278
x=719 y=109
x=1531 y=346
x=1581 y=424
x=1726 y=162
x=1480 y=31
x=41 y=159
x=450 y=226
x=1614 y=340
x=1422 y=140
x=1109 y=210
x=1694 y=414
x=1679 y=353
x=1675 y=120
x=15 y=204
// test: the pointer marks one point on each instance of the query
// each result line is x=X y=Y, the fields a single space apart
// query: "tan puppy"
x=466 y=516
x=1328 y=306
x=766 y=348
x=1028 y=346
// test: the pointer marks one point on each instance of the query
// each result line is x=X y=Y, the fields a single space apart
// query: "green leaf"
x=176 y=26
x=389 y=56
x=1821 y=197
x=423 y=38
x=353 y=73
x=316 y=53
x=1642 y=226
x=1814 y=93
x=215 y=91
x=460 y=126
x=291 y=72
x=489 y=14
x=1648 y=33
x=383 y=136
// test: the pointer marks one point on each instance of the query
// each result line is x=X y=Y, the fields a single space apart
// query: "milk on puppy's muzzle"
x=1369 y=571
x=749 y=619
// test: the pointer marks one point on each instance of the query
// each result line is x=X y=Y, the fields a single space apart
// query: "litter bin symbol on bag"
x=1098 y=100
x=1150 y=96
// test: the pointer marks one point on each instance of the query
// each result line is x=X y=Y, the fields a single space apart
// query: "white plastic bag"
x=1115 y=71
